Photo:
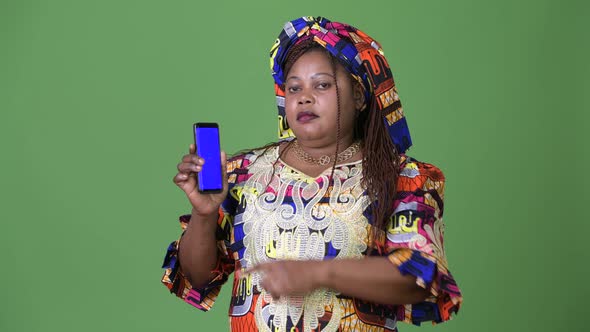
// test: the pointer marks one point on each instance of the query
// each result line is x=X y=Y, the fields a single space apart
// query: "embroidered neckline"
x=287 y=216
x=327 y=171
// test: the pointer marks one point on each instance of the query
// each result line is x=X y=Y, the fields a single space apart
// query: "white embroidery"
x=277 y=230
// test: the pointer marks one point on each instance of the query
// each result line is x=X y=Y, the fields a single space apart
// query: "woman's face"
x=310 y=99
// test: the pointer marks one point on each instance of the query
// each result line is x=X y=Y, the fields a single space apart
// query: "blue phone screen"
x=208 y=148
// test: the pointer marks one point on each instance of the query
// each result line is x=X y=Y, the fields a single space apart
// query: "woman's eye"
x=293 y=89
x=324 y=85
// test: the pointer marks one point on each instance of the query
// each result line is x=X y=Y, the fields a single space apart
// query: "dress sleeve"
x=415 y=243
x=174 y=279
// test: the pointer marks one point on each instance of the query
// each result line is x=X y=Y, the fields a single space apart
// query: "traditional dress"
x=273 y=212
x=276 y=212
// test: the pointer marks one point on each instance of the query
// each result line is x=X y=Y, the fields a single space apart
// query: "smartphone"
x=210 y=177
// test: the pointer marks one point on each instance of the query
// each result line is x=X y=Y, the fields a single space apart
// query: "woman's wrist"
x=206 y=215
x=323 y=273
x=204 y=219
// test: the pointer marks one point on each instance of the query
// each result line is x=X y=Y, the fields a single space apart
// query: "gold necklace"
x=325 y=159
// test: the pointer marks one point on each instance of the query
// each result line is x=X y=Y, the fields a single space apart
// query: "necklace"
x=325 y=159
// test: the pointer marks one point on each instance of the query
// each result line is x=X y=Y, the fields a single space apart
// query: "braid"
x=333 y=60
x=381 y=168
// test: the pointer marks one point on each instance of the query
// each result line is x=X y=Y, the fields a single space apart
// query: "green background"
x=97 y=99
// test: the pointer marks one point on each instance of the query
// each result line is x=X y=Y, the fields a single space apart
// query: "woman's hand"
x=186 y=179
x=372 y=279
x=290 y=277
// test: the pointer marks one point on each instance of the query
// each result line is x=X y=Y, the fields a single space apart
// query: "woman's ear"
x=358 y=95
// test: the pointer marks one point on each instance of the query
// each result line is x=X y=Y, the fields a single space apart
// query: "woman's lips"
x=304 y=117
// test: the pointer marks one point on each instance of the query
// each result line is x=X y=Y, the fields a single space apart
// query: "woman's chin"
x=308 y=135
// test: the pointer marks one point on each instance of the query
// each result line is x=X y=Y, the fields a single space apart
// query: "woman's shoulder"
x=415 y=174
x=411 y=167
x=243 y=159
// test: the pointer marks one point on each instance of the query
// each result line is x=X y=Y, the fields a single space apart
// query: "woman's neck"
x=317 y=148
x=289 y=156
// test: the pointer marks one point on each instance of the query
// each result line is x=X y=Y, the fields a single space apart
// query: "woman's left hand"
x=290 y=277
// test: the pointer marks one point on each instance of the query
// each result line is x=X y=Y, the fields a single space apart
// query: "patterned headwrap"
x=359 y=54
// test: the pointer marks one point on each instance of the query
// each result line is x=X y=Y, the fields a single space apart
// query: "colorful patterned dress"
x=276 y=212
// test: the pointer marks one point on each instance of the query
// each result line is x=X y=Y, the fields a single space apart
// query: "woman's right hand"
x=186 y=179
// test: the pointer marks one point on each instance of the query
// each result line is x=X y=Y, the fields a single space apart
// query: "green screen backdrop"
x=97 y=99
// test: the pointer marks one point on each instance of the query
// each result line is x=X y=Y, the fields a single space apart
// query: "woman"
x=300 y=221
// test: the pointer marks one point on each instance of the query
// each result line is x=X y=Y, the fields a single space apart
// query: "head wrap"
x=360 y=54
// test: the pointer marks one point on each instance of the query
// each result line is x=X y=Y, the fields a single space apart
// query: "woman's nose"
x=305 y=98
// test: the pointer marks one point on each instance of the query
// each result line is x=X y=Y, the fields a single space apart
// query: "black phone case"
x=206 y=125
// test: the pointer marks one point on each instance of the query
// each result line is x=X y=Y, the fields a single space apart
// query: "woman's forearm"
x=373 y=279
x=198 y=248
